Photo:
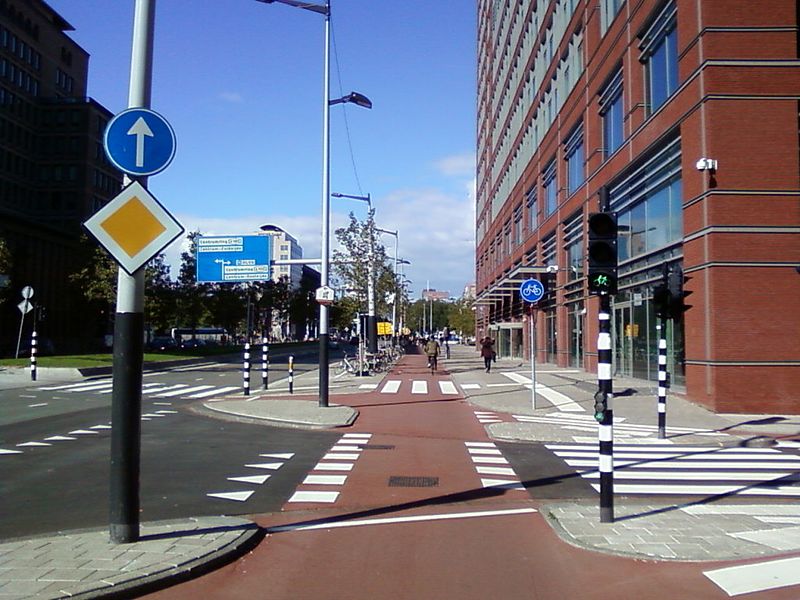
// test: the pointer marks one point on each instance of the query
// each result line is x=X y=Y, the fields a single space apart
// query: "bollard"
x=246 y=369
x=33 y=356
x=264 y=363
x=291 y=374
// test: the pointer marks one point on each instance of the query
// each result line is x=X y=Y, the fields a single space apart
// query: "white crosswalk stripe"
x=689 y=470
x=159 y=390
x=557 y=399
x=419 y=387
x=587 y=424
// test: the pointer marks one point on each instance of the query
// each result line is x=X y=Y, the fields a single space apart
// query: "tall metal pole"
x=395 y=331
x=126 y=399
x=326 y=184
x=662 y=378
x=606 y=428
x=533 y=357
x=372 y=324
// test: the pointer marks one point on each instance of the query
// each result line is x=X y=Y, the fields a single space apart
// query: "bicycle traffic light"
x=662 y=301
x=676 y=285
x=600 y=406
x=602 y=253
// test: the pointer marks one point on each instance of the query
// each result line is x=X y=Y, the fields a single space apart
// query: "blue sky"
x=241 y=83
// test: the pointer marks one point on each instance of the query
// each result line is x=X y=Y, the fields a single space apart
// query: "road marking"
x=164 y=388
x=238 y=496
x=391 y=387
x=502 y=483
x=306 y=496
x=32 y=444
x=214 y=392
x=557 y=399
x=58 y=438
x=5 y=451
x=37 y=405
x=184 y=390
x=100 y=427
x=495 y=471
x=419 y=387
x=283 y=455
x=493 y=460
x=365 y=436
x=271 y=466
x=340 y=448
x=448 y=387
x=325 y=479
x=331 y=524
x=368 y=386
x=494 y=451
x=470 y=386
x=757 y=577
x=480 y=445
x=340 y=456
x=259 y=479
x=704 y=490
x=333 y=467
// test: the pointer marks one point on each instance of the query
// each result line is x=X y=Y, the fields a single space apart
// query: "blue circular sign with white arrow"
x=531 y=290
x=139 y=142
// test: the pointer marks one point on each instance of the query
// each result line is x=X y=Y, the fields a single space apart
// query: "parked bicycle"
x=348 y=364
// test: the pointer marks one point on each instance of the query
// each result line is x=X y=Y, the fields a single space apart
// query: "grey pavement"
x=88 y=565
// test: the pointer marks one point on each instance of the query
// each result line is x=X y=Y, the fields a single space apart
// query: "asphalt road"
x=58 y=478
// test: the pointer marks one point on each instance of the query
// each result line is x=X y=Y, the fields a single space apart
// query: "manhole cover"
x=416 y=482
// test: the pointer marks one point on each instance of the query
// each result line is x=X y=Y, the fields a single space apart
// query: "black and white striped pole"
x=264 y=363
x=291 y=374
x=663 y=378
x=604 y=412
x=246 y=370
x=33 y=352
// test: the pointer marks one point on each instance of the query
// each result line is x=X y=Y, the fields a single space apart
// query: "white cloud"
x=436 y=233
x=456 y=165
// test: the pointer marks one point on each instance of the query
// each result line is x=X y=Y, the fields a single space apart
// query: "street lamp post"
x=396 y=291
x=360 y=100
x=372 y=325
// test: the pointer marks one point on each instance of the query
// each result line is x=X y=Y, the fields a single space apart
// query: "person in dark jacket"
x=487 y=352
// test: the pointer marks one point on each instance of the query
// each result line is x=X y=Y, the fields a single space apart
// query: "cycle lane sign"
x=531 y=290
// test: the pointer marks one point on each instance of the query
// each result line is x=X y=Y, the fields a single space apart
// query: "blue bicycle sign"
x=531 y=290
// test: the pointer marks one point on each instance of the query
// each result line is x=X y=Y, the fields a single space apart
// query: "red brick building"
x=580 y=100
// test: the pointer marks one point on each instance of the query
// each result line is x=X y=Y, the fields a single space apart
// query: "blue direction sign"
x=531 y=290
x=233 y=258
x=139 y=142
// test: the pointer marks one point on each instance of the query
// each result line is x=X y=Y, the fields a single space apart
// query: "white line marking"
x=419 y=387
x=58 y=438
x=757 y=577
x=391 y=387
x=492 y=460
x=259 y=479
x=339 y=448
x=557 y=399
x=271 y=466
x=470 y=386
x=480 y=444
x=283 y=455
x=180 y=392
x=325 y=479
x=340 y=456
x=306 y=496
x=100 y=427
x=502 y=483
x=689 y=490
x=333 y=467
x=368 y=386
x=37 y=405
x=495 y=471
x=214 y=392
x=363 y=436
x=494 y=451
x=696 y=475
x=448 y=387
x=395 y=520
x=238 y=496
x=4 y=451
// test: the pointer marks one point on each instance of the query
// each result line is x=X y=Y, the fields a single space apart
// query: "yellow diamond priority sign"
x=134 y=227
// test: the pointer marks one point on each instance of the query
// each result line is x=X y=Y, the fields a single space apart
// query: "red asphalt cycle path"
x=505 y=556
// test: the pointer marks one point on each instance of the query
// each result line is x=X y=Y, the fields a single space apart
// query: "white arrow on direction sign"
x=140 y=129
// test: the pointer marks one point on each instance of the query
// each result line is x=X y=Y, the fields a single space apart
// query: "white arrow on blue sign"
x=139 y=142
x=531 y=290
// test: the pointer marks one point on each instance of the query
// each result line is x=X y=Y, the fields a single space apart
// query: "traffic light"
x=662 y=301
x=600 y=406
x=602 y=253
x=676 y=283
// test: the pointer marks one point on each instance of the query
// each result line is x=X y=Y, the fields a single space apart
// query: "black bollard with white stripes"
x=604 y=412
x=246 y=369
x=33 y=356
x=663 y=377
x=264 y=363
x=291 y=374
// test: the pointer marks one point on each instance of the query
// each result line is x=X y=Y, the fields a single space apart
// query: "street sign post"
x=325 y=295
x=134 y=227
x=531 y=291
x=139 y=141
x=24 y=307
x=233 y=258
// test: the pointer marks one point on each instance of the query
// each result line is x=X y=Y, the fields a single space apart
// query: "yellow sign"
x=134 y=227
x=384 y=328
x=632 y=330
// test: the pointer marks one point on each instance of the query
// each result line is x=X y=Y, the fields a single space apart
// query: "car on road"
x=162 y=343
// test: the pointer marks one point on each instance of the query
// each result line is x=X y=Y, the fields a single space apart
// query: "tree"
x=462 y=317
x=192 y=297
x=351 y=267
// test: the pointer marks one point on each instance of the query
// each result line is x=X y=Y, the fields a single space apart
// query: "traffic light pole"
x=606 y=427
x=662 y=379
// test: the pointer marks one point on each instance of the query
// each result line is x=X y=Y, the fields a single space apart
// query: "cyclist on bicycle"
x=432 y=351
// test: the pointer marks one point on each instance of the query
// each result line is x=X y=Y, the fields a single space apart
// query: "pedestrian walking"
x=432 y=352
x=487 y=352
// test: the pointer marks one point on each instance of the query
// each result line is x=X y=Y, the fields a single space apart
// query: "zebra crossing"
x=629 y=432
x=663 y=469
x=154 y=389
x=418 y=386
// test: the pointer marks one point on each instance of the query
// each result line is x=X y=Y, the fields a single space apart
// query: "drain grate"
x=415 y=482
x=377 y=447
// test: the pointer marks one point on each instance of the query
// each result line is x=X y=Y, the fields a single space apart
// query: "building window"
x=649 y=205
x=550 y=192
x=573 y=246
x=530 y=201
x=611 y=115
x=660 y=56
x=608 y=10
x=518 y=226
x=574 y=152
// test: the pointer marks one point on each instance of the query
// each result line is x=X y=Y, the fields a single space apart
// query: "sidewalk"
x=87 y=565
